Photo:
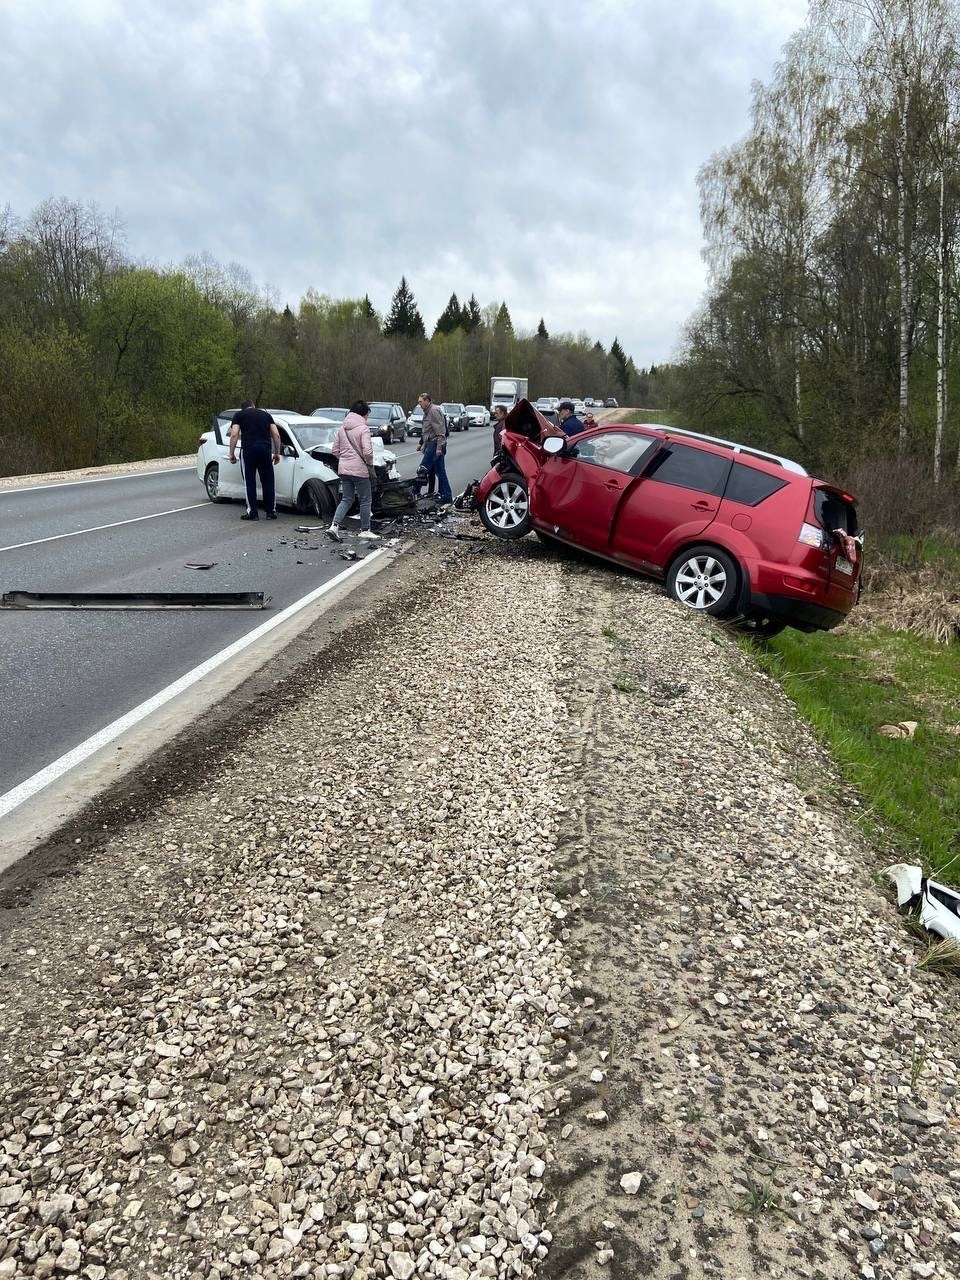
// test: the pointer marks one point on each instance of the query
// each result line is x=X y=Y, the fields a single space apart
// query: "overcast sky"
x=539 y=151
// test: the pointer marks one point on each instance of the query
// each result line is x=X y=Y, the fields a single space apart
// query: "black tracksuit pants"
x=257 y=460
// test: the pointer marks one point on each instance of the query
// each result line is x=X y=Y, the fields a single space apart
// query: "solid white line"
x=54 y=537
x=65 y=484
x=86 y=749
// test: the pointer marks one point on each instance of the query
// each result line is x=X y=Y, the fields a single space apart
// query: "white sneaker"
x=368 y=535
x=333 y=533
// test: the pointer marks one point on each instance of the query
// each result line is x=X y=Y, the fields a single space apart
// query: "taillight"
x=202 y=440
x=812 y=536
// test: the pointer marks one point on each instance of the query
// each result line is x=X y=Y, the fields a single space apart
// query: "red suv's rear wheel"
x=705 y=579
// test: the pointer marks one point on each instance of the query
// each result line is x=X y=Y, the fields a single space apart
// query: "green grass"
x=846 y=686
x=663 y=417
x=921 y=552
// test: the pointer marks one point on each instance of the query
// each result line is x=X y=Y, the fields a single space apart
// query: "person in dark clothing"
x=499 y=418
x=568 y=419
x=259 y=438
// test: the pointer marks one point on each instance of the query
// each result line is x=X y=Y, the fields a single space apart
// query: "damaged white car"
x=306 y=475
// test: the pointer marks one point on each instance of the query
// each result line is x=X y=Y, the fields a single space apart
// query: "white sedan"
x=478 y=415
x=305 y=476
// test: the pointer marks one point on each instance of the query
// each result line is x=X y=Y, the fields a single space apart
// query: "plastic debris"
x=200 y=566
x=938 y=904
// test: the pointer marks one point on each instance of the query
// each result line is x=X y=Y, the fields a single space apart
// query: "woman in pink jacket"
x=353 y=449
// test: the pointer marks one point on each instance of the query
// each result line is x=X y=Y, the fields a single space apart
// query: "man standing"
x=259 y=438
x=568 y=419
x=499 y=418
x=434 y=440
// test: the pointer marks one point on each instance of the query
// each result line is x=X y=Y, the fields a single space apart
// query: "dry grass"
x=924 y=601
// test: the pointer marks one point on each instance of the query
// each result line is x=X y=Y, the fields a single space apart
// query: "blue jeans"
x=351 y=486
x=436 y=462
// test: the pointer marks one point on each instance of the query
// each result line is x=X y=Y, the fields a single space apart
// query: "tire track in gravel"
x=732 y=956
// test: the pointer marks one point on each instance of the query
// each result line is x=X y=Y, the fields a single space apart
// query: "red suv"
x=732 y=531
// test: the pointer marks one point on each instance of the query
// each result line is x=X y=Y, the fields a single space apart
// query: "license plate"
x=843 y=566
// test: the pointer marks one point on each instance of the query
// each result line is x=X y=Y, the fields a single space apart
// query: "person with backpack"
x=353 y=448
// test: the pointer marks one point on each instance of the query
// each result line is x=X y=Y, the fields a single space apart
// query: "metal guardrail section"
x=132 y=600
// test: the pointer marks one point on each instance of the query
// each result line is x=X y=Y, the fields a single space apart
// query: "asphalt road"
x=64 y=675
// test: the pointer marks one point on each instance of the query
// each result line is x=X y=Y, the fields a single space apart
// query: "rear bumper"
x=806 y=615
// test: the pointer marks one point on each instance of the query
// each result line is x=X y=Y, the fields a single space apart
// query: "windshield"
x=450 y=408
x=318 y=437
x=335 y=415
x=475 y=408
x=380 y=412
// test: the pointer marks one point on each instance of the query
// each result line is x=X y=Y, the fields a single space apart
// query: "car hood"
x=525 y=419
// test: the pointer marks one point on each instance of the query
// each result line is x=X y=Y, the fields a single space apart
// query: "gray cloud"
x=538 y=152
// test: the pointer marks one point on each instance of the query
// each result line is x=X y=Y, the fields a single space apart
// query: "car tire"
x=505 y=511
x=316 y=499
x=211 y=482
x=762 y=628
x=705 y=579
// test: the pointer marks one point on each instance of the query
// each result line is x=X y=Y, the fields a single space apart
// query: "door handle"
x=612 y=484
x=703 y=506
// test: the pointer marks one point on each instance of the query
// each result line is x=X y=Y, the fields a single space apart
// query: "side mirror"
x=554 y=444
x=288 y=451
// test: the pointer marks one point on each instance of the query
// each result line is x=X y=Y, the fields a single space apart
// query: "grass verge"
x=847 y=685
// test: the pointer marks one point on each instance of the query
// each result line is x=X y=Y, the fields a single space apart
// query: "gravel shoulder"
x=95 y=473
x=411 y=972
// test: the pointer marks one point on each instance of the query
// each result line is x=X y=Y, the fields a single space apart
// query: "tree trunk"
x=941 y=332
x=903 y=267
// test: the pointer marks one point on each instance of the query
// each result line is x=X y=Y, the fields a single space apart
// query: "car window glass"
x=691 y=469
x=616 y=450
x=750 y=486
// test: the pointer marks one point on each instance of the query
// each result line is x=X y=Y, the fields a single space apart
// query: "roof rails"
x=787 y=463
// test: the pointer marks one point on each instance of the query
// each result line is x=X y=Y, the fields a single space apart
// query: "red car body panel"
x=638 y=521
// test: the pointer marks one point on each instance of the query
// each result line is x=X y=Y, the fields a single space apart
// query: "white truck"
x=507 y=391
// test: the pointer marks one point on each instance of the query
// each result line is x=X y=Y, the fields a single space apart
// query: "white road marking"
x=65 y=484
x=54 y=537
x=78 y=754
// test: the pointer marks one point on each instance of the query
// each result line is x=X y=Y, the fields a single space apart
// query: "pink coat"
x=352 y=446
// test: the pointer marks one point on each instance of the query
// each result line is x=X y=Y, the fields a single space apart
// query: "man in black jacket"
x=259 y=438
x=568 y=419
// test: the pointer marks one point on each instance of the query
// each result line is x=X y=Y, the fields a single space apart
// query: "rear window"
x=691 y=469
x=833 y=512
x=749 y=486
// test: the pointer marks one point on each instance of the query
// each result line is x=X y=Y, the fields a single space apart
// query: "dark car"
x=732 y=531
x=388 y=421
x=456 y=416
x=610 y=403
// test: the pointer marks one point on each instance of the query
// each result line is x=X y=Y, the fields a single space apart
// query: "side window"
x=616 y=450
x=284 y=434
x=692 y=469
x=749 y=486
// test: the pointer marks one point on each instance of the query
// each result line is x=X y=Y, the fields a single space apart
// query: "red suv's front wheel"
x=505 y=511
x=705 y=579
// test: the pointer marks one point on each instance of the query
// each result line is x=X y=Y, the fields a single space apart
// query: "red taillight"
x=811 y=535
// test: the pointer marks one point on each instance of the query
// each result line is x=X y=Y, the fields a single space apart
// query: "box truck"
x=507 y=391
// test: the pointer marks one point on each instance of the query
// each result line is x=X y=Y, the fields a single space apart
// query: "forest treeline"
x=829 y=331
x=103 y=359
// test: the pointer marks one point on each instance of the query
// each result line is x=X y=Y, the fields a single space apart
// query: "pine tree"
x=404 y=319
x=367 y=311
x=503 y=321
x=472 y=316
x=288 y=329
x=542 y=331
x=452 y=317
x=598 y=348
x=619 y=357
